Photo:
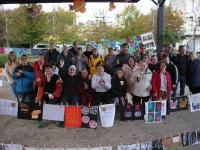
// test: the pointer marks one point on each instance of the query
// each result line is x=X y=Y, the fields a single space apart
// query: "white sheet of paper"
x=53 y=112
x=8 y=107
x=129 y=147
x=107 y=114
x=146 y=146
x=176 y=139
x=12 y=147
x=1 y=82
x=194 y=102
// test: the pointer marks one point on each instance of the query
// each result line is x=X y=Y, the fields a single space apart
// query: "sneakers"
x=39 y=124
x=164 y=117
x=60 y=124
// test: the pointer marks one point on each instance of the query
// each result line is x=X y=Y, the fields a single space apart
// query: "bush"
x=3 y=60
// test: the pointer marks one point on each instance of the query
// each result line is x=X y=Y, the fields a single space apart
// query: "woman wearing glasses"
x=9 y=69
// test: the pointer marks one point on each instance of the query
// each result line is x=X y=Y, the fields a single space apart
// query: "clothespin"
x=121 y=144
x=100 y=145
x=197 y=129
x=61 y=105
x=37 y=147
x=66 y=147
x=100 y=104
x=89 y=105
x=159 y=138
x=184 y=133
x=151 y=141
x=60 y=148
x=179 y=134
x=165 y=138
x=44 y=103
x=109 y=146
x=52 y=147
x=137 y=142
x=77 y=105
x=123 y=103
x=141 y=102
x=170 y=97
x=44 y=147
x=77 y=147
x=11 y=143
x=20 y=100
x=88 y=147
x=171 y=136
x=67 y=104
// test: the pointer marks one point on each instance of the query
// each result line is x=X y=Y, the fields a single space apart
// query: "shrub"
x=3 y=60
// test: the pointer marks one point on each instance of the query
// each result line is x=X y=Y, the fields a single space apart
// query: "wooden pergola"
x=159 y=3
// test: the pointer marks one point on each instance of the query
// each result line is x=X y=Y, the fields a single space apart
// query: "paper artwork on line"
x=10 y=147
x=172 y=143
x=29 y=111
x=72 y=116
x=129 y=147
x=153 y=111
x=107 y=114
x=53 y=112
x=132 y=112
x=194 y=102
x=146 y=145
x=8 y=107
x=148 y=40
x=178 y=104
x=157 y=145
x=89 y=117
x=190 y=138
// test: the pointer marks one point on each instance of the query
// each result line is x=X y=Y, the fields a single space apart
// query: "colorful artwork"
x=57 y=115
x=89 y=117
x=129 y=40
x=194 y=102
x=107 y=114
x=8 y=107
x=113 y=44
x=30 y=111
x=18 y=51
x=2 y=50
x=35 y=52
x=132 y=112
x=148 y=40
x=157 y=145
x=73 y=116
x=172 y=143
x=122 y=41
x=178 y=104
x=153 y=111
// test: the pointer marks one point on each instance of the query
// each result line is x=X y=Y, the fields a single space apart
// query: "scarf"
x=49 y=76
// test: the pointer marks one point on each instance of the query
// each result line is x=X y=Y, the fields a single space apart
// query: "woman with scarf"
x=95 y=59
x=50 y=88
x=39 y=68
x=9 y=69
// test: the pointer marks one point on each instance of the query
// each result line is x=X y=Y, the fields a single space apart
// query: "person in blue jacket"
x=193 y=73
x=24 y=75
x=66 y=55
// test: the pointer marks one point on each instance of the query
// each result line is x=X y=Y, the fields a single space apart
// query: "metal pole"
x=160 y=25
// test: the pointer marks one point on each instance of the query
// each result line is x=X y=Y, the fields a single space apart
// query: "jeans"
x=116 y=100
x=13 y=89
x=45 y=97
x=26 y=97
x=182 y=80
x=74 y=99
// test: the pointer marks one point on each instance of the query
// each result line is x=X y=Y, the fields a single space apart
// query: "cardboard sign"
x=132 y=112
x=29 y=111
x=89 y=117
x=178 y=104
x=174 y=142
x=57 y=113
x=107 y=114
x=72 y=116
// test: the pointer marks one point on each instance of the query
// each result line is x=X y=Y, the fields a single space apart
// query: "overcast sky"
x=91 y=8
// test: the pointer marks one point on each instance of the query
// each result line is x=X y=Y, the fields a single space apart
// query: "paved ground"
x=25 y=132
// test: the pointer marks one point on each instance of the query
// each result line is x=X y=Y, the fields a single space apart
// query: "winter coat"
x=84 y=63
x=171 y=69
x=36 y=66
x=81 y=86
x=51 y=56
x=73 y=51
x=70 y=84
x=138 y=57
x=118 y=90
x=123 y=59
x=156 y=83
x=127 y=73
x=25 y=82
x=67 y=60
x=141 y=87
x=41 y=87
x=99 y=59
x=9 y=69
x=154 y=67
x=193 y=73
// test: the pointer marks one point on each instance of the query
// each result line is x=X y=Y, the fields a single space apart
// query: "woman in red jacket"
x=161 y=83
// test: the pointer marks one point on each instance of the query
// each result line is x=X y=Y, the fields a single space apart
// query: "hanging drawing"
x=8 y=107
x=157 y=145
x=107 y=115
x=89 y=117
x=194 y=102
x=146 y=145
x=172 y=143
x=72 y=116
x=178 y=104
x=129 y=147
x=132 y=112
x=190 y=138
x=30 y=111
x=10 y=147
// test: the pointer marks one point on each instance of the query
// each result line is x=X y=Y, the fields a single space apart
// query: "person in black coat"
x=107 y=68
x=52 y=54
x=171 y=68
x=193 y=73
x=73 y=49
x=154 y=66
x=118 y=87
x=70 y=85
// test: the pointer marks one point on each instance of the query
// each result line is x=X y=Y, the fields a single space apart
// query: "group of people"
x=89 y=78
